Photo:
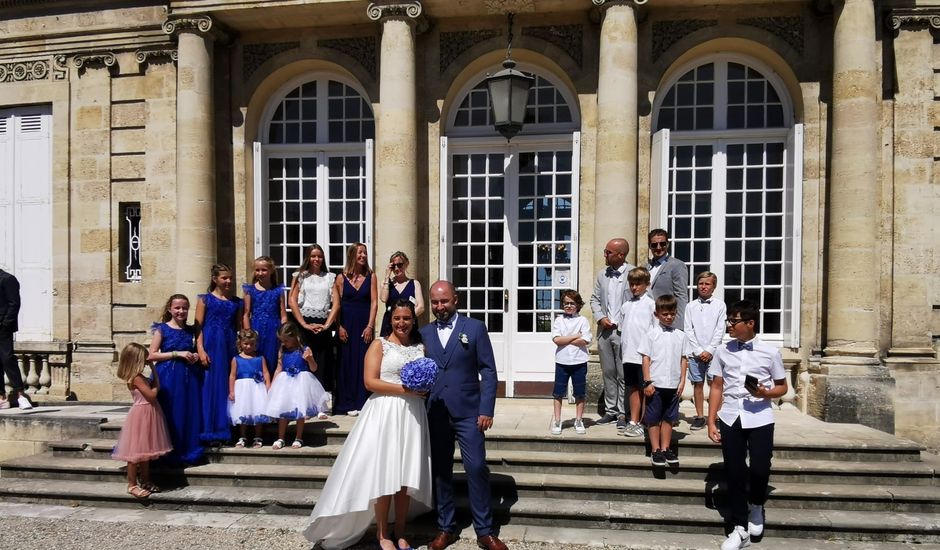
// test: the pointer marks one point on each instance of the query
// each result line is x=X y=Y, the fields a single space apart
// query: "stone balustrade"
x=45 y=367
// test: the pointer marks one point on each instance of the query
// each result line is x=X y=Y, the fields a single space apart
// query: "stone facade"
x=167 y=104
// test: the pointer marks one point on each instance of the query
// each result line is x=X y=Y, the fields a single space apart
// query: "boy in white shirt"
x=664 y=352
x=747 y=375
x=705 y=327
x=571 y=334
x=636 y=319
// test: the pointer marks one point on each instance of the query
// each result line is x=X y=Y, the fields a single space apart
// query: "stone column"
x=857 y=386
x=396 y=137
x=195 y=155
x=615 y=213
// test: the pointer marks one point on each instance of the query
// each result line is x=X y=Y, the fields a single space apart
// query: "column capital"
x=913 y=18
x=198 y=23
x=411 y=9
x=608 y=3
x=105 y=59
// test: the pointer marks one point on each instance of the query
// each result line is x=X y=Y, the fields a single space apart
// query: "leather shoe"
x=442 y=541
x=489 y=542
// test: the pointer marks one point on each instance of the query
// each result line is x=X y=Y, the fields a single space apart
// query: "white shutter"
x=659 y=178
x=575 y=205
x=370 y=192
x=444 y=201
x=260 y=199
x=6 y=191
x=793 y=236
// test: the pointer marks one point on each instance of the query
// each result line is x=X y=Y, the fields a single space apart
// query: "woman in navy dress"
x=264 y=310
x=217 y=315
x=397 y=286
x=173 y=348
x=355 y=290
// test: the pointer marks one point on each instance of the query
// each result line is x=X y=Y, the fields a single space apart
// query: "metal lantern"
x=509 y=94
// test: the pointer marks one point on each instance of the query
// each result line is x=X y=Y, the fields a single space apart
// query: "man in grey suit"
x=605 y=304
x=668 y=274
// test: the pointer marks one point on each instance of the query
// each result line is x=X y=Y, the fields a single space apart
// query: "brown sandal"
x=150 y=487
x=138 y=492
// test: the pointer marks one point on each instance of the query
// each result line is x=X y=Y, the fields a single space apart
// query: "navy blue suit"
x=465 y=389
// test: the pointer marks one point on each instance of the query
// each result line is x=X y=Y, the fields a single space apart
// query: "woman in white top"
x=311 y=303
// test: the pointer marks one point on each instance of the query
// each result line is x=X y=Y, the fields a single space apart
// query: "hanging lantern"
x=509 y=94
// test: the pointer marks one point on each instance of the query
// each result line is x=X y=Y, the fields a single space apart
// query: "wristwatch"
x=647 y=383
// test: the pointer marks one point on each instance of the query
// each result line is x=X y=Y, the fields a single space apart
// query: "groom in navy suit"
x=460 y=406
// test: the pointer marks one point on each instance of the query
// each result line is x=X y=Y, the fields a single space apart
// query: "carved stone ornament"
x=84 y=60
x=145 y=56
x=363 y=49
x=452 y=44
x=667 y=33
x=60 y=67
x=22 y=71
x=254 y=55
x=567 y=37
x=913 y=17
x=790 y=29
x=201 y=23
x=601 y=3
x=509 y=6
x=378 y=10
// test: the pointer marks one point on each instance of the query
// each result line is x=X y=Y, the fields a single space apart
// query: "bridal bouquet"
x=419 y=375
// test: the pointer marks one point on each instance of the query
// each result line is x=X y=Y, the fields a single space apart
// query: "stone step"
x=559 y=513
x=510 y=461
x=604 y=440
x=507 y=486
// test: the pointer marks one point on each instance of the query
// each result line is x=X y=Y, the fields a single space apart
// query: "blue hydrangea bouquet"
x=419 y=375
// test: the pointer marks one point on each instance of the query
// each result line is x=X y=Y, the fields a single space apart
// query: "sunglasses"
x=398 y=265
x=734 y=322
x=663 y=244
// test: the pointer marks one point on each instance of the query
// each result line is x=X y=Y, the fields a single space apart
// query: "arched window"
x=314 y=172
x=727 y=172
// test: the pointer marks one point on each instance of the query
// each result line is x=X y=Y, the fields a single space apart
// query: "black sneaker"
x=698 y=423
x=657 y=458
x=670 y=456
x=607 y=419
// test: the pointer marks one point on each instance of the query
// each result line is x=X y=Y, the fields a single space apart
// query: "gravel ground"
x=69 y=534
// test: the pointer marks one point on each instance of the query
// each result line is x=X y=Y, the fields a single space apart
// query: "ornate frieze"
x=790 y=29
x=201 y=23
x=379 y=10
x=913 y=17
x=667 y=33
x=454 y=43
x=60 y=67
x=509 y=6
x=363 y=49
x=567 y=37
x=254 y=55
x=84 y=60
x=23 y=71
x=149 y=54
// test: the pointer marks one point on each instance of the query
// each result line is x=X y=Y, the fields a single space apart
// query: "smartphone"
x=750 y=383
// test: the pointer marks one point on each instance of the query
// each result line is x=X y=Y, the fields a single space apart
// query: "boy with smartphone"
x=748 y=374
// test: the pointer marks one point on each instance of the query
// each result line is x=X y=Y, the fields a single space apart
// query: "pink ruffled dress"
x=144 y=435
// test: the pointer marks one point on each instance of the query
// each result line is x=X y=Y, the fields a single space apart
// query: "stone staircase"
x=829 y=482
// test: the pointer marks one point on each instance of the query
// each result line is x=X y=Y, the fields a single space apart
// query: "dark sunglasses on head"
x=663 y=244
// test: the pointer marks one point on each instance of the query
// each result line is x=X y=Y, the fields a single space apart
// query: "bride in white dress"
x=386 y=456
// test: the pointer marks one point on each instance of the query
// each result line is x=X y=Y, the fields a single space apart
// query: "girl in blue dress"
x=248 y=386
x=265 y=310
x=295 y=392
x=217 y=316
x=173 y=349
x=356 y=292
x=397 y=286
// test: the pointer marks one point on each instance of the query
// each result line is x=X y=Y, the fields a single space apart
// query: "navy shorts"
x=578 y=376
x=663 y=406
x=632 y=374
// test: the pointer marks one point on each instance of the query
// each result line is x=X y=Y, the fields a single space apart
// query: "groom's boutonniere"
x=463 y=338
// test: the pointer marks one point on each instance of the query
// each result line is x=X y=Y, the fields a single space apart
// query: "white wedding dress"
x=387 y=449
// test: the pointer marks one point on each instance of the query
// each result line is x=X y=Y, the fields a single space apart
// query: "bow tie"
x=704 y=301
x=441 y=325
x=749 y=346
x=611 y=272
x=668 y=329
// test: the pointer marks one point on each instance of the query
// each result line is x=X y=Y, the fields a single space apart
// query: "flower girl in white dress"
x=386 y=456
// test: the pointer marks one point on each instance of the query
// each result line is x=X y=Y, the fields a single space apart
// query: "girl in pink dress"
x=144 y=435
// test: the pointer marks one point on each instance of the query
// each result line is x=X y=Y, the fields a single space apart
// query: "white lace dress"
x=387 y=449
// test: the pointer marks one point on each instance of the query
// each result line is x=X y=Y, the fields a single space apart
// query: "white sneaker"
x=352 y=413
x=4 y=403
x=579 y=427
x=556 y=427
x=738 y=538
x=23 y=403
x=755 y=520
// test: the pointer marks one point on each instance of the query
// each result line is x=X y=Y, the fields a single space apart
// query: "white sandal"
x=322 y=416
x=241 y=443
x=279 y=444
x=297 y=444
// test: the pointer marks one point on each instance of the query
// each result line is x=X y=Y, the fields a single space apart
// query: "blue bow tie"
x=668 y=329
x=749 y=346
x=611 y=272
x=441 y=325
x=704 y=301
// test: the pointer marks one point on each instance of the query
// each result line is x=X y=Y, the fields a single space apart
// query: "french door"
x=509 y=239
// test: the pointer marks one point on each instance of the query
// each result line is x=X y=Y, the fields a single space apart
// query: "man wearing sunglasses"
x=668 y=274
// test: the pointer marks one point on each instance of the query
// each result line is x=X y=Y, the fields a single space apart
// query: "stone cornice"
x=913 y=17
